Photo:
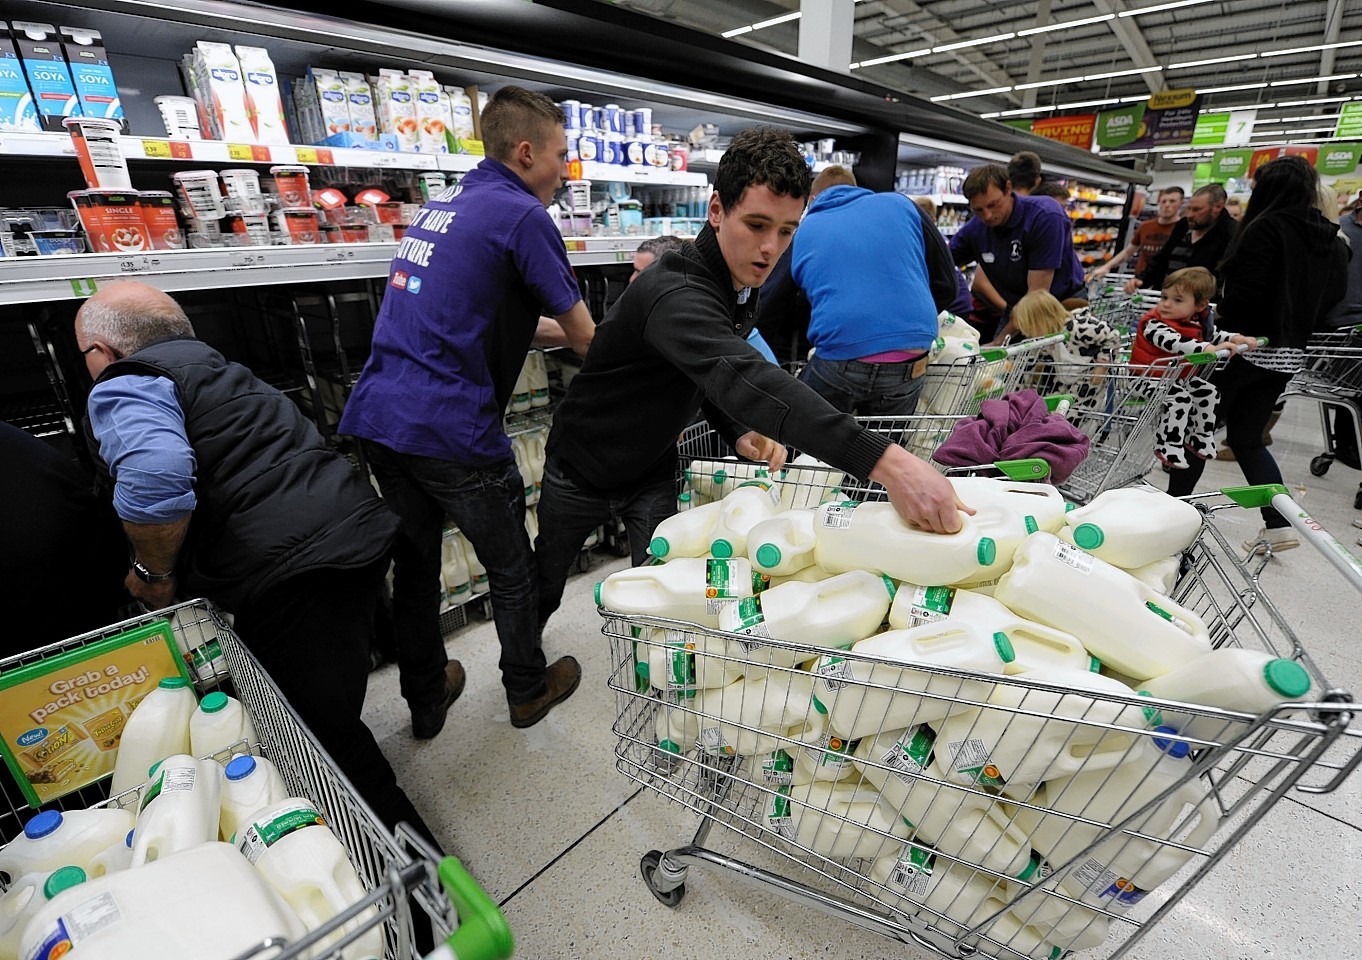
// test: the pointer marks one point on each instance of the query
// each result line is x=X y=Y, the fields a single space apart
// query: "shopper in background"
x=1024 y=172
x=1235 y=208
x=1348 y=311
x=1019 y=243
x=1149 y=237
x=226 y=491
x=1283 y=272
x=467 y=286
x=861 y=259
x=1198 y=239
x=673 y=344
x=1055 y=191
x=963 y=302
x=1092 y=346
x=62 y=567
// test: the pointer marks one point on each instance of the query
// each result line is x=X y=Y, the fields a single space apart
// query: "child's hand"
x=1249 y=343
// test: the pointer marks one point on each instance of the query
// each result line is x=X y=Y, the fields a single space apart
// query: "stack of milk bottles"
x=202 y=843
x=959 y=716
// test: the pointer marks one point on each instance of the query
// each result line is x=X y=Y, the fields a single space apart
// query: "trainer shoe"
x=429 y=721
x=562 y=677
x=1277 y=538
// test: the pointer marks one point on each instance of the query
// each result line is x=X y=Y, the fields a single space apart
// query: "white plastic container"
x=26 y=896
x=915 y=695
x=677 y=726
x=687 y=533
x=872 y=536
x=180 y=808
x=806 y=482
x=834 y=819
x=115 y=857
x=1161 y=575
x=956 y=821
x=539 y=378
x=831 y=613
x=1064 y=924
x=810 y=574
x=1133 y=526
x=454 y=569
x=249 y=783
x=713 y=479
x=56 y=838
x=681 y=663
x=747 y=505
x=1117 y=873
x=1231 y=678
x=174 y=907
x=997 y=748
x=196 y=634
x=298 y=855
x=1120 y=620
x=782 y=545
x=1042 y=502
x=219 y=722
x=1034 y=644
x=755 y=716
x=946 y=889
x=689 y=589
x=158 y=727
x=824 y=756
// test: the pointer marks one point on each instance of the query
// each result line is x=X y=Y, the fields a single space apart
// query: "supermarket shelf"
x=610 y=172
x=711 y=158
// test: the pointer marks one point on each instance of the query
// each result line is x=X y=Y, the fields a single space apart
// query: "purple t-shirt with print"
x=1038 y=236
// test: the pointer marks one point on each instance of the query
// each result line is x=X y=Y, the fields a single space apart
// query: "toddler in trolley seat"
x=1078 y=365
x=1183 y=322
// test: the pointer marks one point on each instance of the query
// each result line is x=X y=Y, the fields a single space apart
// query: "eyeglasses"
x=91 y=347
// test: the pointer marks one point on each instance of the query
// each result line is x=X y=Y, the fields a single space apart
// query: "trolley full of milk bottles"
x=400 y=875
x=987 y=771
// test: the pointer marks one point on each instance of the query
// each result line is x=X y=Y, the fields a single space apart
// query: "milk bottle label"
x=972 y=759
x=721 y=589
x=745 y=617
x=173 y=780
x=910 y=754
x=913 y=872
x=835 y=753
x=928 y=604
x=261 y=835
x=83 y=921
x=778 y=814
x=713 y=741
x=770 y=489
x=1093 y=875
x=777 y=769
x=834 y=671
x=1081 y=561
x=838 y=516
x=680 y=664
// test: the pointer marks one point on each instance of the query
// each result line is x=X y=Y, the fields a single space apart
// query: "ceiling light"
x=1307 y=103
x=893 y=58
x=1240 y=86
x=1290 y=133
x=762 y=25
x=1173 y=5
x=1315 y=119
x=1205 y=63
x=989 y=116
x=1333 y=76
x=727 y=34
x=1046 y=83
x=960 y=44
x=1246 y=106
x=1066 y=25
x=966 y=94
x=1122 y=73
x=1311 y=49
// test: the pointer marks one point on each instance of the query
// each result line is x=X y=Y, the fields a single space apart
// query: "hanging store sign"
x=1229 y=165
x=1023 y=124
x=1075 y=129
x=1116 y=128
x=1349 y=121
x=1168 y=118
x=1223 y=129
x=1203 y=174
x=1338 y=160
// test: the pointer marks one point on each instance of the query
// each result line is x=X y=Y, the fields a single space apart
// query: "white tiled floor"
x=554 y=833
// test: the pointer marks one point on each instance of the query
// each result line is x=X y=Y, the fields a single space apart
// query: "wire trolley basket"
x=397 y=870
x=871 y=780
x=957 y=387
x=1332 y=378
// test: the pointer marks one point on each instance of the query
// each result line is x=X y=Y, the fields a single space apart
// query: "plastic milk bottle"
x=1120 y=620
x=747 y=505
x=454 y=568
x=1060 y=922
x=806 y=482
x=55 y=838
x=840 y=610
x=477 y=573
x=946 y=889
x=755 y=716
x=689 y=589
x=249 y=784
x=687 y=533
x=1042 y=502
x=681 y=663
x=1231 y=678
x=782 y=545
x=834 y=819
x=180 y=808
x=824 y=755
x=157 y=728
x=1133 y=526
x=26 y=896
x=115 y=857
x=852 y=535
x=1162 y=575
x=298 y=855
x=219 y=722
x=851 y=689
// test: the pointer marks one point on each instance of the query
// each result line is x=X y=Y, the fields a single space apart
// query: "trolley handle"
x=1023 y=346
x=483 y=933
x=1211 y=356
x=1276 y=496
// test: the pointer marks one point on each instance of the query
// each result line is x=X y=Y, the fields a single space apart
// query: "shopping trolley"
x=1332 y=378
x=958 y=387
x=1122 y=310
x=1238 y=766
x=398 y=870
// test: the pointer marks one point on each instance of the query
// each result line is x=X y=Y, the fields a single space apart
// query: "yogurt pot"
x=293 y=185
x=181 y=117
x=254 y=227
x=297 y=224
x=200 y=194
x=242 y=187
x=97 y=148
x=118 y=214
x=158 y=213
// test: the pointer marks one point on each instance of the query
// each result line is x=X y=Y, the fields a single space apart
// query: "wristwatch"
x=146 y=576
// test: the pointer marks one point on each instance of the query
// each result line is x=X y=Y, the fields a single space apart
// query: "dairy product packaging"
x=264 y=104
x=91 y=74
x=17 y=110
x=49 y=77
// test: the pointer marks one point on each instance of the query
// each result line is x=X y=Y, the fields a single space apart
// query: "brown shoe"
x=1224 y=453
x=429 y=721
x=562 y=676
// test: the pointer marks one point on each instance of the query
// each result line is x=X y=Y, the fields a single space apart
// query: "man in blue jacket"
x=860 y=258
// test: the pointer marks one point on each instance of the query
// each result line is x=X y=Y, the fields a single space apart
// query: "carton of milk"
x=219 y=72
x=54 y=93
x=91 y=73
x=328 y=94
x=263 y=104
x=16 y=102
x=432 y=112
x=397 y=108
x=360 y=100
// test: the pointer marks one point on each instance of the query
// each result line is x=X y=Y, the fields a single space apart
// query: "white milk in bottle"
x=681 y=663
x=810 y=574
x=782 y=545
x=952 y=893
x=55 y=838
x=753 y=717
x=218 y=723
x=851 y=535
x=115 y=857
x=1042 y=502
x=824 y=755
x=454 y=568
x=539 y=379
x=1231 y=678
x=1133 y=526
x=157 y=728
x=1120 y=620
x=806 y=482
x=746 y=506
x=1033 y=644
x=833 y=612
x=996 y=748
x=677 y=725
x=687 y=533
x=180 y=808
x=834 y=819
x=249 y=784
x=850 y=688
x=26 y=896
x=691 y=589
x=1162 y=575
x=298 y=855
x=477 y=573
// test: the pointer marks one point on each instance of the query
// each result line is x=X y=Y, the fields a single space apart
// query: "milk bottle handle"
x=483 y=933
x=1277 y=496
x=1162 y=605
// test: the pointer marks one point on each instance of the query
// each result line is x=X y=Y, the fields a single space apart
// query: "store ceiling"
x=1166 y=42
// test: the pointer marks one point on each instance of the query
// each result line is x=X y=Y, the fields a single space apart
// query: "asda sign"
x=1338 y=160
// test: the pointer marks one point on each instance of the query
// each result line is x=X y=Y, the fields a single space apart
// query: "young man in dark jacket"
x=674 y=341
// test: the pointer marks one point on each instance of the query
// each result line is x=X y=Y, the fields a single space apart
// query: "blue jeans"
x=488 y=505
x=866 y=389
x=568 y=513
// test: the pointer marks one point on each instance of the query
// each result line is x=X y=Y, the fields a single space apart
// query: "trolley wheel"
x=583 y=561
x=648 y=867
x=1319 y=466
x=620 y=547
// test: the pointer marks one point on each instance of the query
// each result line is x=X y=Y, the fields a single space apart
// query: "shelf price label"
x=249 y=152
x=575 y=246
x=181 y=150
x=306 y=154
x=156 y=149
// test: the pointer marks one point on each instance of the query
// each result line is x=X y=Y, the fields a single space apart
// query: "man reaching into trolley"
x=674 y=345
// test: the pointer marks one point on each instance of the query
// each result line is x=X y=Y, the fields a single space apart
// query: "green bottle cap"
x=987 y=551
x=213 y=702
x=1032 y=866
x=721 y=549
x=890 y=585
x=599 y=584
x=1089 y=536
x=768 y=555
x=173 y=683
x=659 y=547
x=63 y=878
x=1006 y=652
x=818 y=705
x=719 y=477
x=671 y=747
x=1070 y=506
x=1287 y=678
x=683 y=497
